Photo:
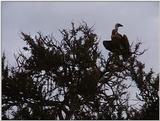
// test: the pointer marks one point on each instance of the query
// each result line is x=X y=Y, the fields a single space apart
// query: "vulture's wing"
x=108 y=45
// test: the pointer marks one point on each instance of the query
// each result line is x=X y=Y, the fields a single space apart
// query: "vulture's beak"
x=120 y=25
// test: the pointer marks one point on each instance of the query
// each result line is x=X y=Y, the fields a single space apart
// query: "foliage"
x=70 y=79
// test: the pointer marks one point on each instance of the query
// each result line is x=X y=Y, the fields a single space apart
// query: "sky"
x=140 y=20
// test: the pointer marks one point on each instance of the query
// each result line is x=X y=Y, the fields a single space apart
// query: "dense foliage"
x=70 y=79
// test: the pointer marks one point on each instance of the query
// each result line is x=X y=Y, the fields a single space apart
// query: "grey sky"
x=140 y=20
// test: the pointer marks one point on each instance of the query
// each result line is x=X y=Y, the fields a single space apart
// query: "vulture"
x=119 y=44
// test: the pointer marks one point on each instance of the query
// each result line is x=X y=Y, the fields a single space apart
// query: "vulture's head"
x=118 y=25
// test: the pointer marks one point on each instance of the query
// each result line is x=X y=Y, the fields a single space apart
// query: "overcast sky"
x=140 y=20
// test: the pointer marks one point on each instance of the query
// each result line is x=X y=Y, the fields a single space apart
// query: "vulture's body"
x=119 y=44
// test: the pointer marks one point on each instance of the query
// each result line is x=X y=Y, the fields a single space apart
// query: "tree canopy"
x=71 y=79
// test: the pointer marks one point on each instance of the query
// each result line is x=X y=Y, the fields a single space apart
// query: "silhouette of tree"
x=71 y=79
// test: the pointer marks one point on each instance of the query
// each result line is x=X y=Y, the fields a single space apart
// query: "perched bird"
x=119 y=44
x=116 y=37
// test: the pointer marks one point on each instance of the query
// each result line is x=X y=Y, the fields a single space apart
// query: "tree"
x=71 y=79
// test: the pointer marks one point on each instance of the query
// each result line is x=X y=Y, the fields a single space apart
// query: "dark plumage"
x=119 y=44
